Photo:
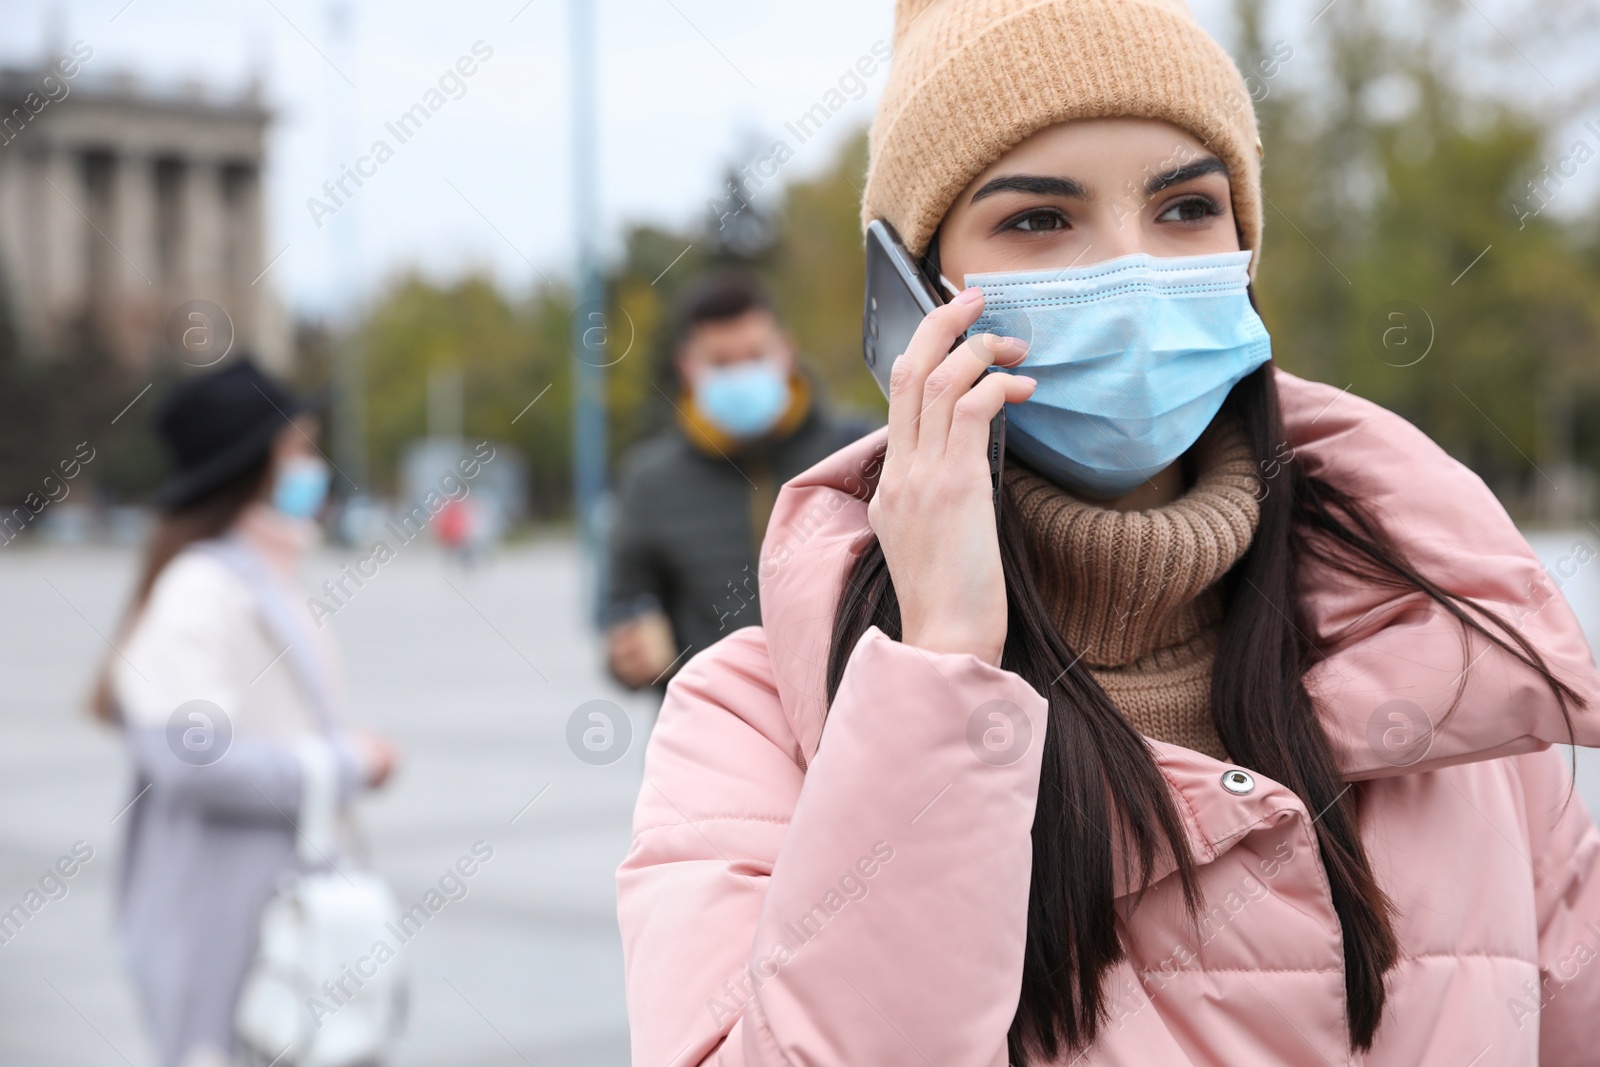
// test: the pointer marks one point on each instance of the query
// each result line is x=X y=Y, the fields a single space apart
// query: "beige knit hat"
x=972 y=78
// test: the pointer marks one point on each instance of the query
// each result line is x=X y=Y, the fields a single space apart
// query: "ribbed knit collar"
x=1121 y=585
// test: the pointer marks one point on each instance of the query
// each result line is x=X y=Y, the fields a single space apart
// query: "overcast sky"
x=487 y=182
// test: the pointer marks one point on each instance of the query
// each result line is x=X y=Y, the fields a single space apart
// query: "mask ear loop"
x=948 y=284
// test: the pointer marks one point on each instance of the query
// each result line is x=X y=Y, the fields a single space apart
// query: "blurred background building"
x=119 y=202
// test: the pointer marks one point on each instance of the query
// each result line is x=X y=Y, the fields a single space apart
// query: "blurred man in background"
x=693 y=501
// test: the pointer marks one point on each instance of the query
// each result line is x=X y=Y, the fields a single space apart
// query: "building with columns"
x=119 y=204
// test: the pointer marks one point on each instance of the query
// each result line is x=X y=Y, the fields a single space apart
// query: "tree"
x=1401 y=259
x=510 y=354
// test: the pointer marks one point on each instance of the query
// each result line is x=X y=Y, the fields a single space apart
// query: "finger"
x=1010 y=355
x=949 y=381
x=935 y=334
x=969 y=422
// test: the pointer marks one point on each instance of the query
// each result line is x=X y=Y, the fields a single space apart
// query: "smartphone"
x=898 y=297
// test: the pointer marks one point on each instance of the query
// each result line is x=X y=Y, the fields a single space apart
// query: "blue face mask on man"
x=1133 y=357
x=300 y=486
x=743 y=399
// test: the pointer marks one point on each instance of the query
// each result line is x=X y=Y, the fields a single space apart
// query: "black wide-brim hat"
x=218 y=425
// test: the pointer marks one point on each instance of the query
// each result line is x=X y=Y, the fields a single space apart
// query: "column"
x=61 y=241
x=243 y=232
x=137 y=313
x=203 y=225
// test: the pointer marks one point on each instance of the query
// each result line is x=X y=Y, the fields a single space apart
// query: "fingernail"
x=999 y=345
x=967 y=296
x=1025 y=378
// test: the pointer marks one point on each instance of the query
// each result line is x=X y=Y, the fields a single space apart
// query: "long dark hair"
x=210 y=516
x=1099 y=776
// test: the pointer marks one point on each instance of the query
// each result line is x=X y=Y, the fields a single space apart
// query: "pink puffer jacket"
x=858 y=897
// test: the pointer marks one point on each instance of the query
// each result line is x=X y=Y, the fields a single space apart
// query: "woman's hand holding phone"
x=933 y=510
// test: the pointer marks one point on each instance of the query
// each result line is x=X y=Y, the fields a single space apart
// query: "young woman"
x=1225 y=743
x=228 y=699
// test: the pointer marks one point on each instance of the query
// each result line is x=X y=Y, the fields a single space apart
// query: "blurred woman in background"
x=228 y=698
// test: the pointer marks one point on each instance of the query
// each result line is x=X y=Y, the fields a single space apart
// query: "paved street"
x=476 y=675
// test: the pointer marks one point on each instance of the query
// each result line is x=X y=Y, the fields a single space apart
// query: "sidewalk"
x=475 y=674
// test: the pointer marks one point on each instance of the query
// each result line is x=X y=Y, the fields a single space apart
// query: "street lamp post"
x=589 y=327
x=349 y=379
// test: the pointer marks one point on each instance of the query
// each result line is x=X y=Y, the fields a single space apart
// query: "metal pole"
x=344 y=233
x=589 y=327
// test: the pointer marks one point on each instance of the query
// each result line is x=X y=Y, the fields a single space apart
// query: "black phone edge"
x=904 y=266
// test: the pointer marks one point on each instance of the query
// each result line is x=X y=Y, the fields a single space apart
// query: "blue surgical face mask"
x=300 y=486
x=743 y=399
x=1133 y=357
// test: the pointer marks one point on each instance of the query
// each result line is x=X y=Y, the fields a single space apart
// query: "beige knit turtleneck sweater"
x=1134 y=593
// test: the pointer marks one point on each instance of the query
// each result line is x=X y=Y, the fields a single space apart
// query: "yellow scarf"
x=707 y=437
x=711 y=439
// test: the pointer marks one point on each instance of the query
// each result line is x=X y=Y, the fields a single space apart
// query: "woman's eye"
x=1190 y=209
x=1037 y=222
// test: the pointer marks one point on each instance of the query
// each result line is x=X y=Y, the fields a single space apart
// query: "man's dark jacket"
x=689 y=520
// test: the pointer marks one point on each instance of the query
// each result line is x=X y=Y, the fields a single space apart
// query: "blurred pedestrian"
x=693 y=502
x=453 y=528
x=229 y=702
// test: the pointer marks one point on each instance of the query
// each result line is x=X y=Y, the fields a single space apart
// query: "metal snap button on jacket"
x=1238 y=782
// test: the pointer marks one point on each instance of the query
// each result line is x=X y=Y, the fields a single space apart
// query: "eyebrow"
x=1037 y=184
x=1073 y=189
x=1186 y=173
